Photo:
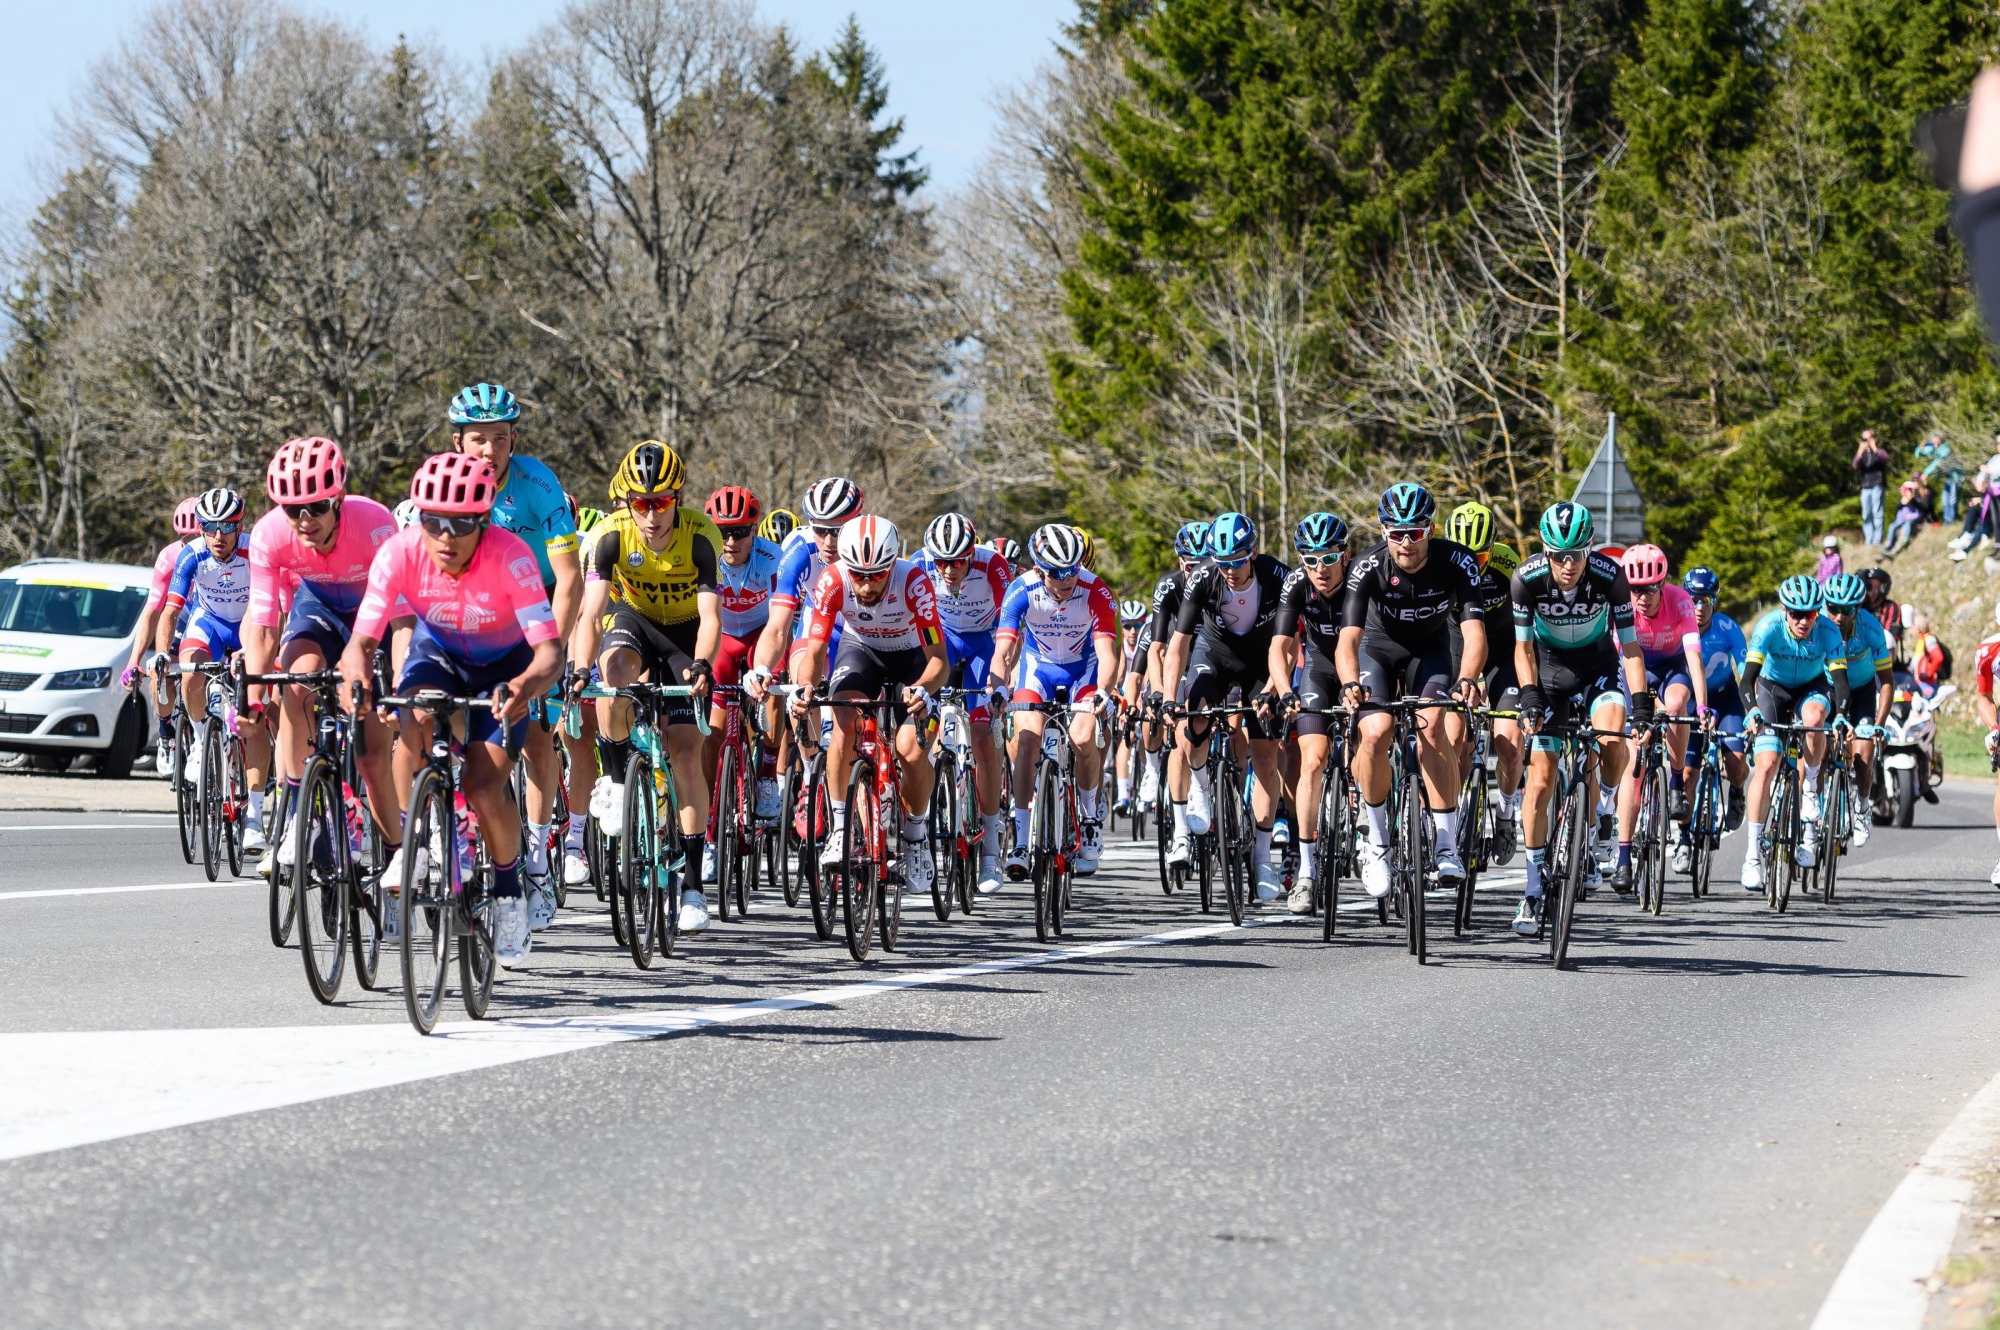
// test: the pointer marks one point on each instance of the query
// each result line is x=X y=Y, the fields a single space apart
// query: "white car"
x=65 y=634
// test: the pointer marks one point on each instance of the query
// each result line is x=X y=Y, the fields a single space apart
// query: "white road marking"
x=89 y=826
x=1883 y=1286
x=117 y=891
x=61 y=1090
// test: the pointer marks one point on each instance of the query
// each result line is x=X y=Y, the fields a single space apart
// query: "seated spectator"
x=1927 y=654
x=1910 y=515
x=1982 y=517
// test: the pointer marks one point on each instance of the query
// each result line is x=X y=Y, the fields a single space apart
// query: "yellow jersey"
x=662 y=584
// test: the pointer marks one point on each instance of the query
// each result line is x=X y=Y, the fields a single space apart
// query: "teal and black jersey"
x=1595 y=613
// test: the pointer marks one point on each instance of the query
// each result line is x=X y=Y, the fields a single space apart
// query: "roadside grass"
x=1965 y=1294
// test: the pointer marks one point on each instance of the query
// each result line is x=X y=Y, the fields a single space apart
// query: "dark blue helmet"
x=1232 y=536
x=1319 y=533
x=1191 y=541
x=1701 y=583
x=1406 y=505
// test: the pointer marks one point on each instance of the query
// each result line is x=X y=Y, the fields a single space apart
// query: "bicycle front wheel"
x=1472 y=847
x=1232 y=832
x=320 y=866
x=211 y=801
x=945 y=835
x=822 y=882
x=186 y=806
x=284 y=905
x=1784 y=839
x=860 y=872
x=639 y=868
x=788 y=854
x=1656 y=820
x=1575 y=833
x=972 y=836
x=1042 y=849
x=423 y=902
x=728 y=851
x=236 y=802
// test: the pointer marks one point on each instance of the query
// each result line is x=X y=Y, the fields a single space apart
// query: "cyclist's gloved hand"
x=1534 y=707
x=1706 y=715
x=1642 y=709
x=1841 y=725
x=1352 y=694
x=917 y=701
x=125 y=679
x=755 y=680
x=1993 y=742
x=701 y=675
x=1753 y=719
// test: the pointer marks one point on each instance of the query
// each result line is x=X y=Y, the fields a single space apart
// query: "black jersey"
x=1301 y=606
x=1496 y=596
x=1235 y=626
x=1594 y=615
x=1135 y=659
x=1414 y=610
x=1167 y=594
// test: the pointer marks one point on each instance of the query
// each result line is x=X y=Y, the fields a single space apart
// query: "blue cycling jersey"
x=203 y=582
x=745 y=592
x=1722 y=651
x=533 y=506
x=1785 y=660
x=1867 y=650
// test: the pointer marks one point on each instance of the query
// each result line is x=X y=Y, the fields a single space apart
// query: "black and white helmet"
x=218 y=505
x=1056 y=548
x=832 y=501
x=950 y=536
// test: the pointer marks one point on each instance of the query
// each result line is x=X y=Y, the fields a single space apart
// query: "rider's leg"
x=1371 y=771
x=986 y=761
x=1027 y=752
x=582 y=748
x=1536 y=798
x=1675 y=701
x=1441 y=740
x=919 y=776
x=538 y=750
x=1814 y=712
x=1089 y=766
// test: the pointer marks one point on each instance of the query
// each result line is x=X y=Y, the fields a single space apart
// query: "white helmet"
x=949 y=536
x=870 y=545
x=218 y=505
x=1056 y=548
x=832 y=501
x=406 y=513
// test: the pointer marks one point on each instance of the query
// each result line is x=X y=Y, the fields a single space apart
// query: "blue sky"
x=945 y=60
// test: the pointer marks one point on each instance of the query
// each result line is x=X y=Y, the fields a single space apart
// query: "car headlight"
x=75 y=680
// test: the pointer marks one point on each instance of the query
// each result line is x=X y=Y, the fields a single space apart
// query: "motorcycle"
x=1907 y=761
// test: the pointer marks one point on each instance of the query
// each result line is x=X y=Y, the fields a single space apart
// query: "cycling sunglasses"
x=451 y=524
x=959 y=562
x=656 y=503
x=1232 y=563
x=1568 y=557
x=871 y=578
x=826 y=532
x=1062 y=574
x=737 y=532
x=299 y=512
x=1405 y=535
x=222 y=528
x=1321 y=560
x=1800 y=614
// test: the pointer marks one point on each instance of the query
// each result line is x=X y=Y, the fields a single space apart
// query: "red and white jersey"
x=1983 y=665
x=906 y=617
x=975 y=607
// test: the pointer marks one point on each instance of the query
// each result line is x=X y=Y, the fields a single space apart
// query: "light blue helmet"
x=1845 y=591
x=1191 y=541
x=1319 y=533
x=1800 y=593
x=1406 y=505
x=484 y=403
x=1232 y=537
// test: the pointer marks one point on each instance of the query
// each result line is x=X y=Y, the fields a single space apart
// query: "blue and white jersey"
x=1789 y=662
x=1722 y=651
x=531 y=504
x=1867 y=650
x=1058 y=631
x=798 y=574
x=745 y=591
x=974 y=609
x=206 y=584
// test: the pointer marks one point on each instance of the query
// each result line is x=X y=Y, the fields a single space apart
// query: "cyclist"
x=186 y=528
x=1135 y=625
x=1794 y=652
x=530 y=503
x=482 y=620
x=1471 y=525
x=1722 y=648
x=809 y=551
x=1871 y=687
x=1007 y=548
x=745 y=581
x=1669 y=636
x=1222 y=642
x=309 y=560
x=893 y=643
x=778 y=525
x=1887 y=611
x=971 y=583
x=1402 y=596
x=212 y=578
x=660 y=559
x=1058 y=630
x=1190 y=554
x=1311 y=601
x=1983 y=664
x=581 y=746
x=1574 y=638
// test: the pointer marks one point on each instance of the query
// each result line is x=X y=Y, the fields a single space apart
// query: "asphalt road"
x=1251 y=1127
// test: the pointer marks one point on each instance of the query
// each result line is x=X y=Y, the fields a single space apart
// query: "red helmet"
x=1644 y=565
x=732 y=505
x=455 y=483
x=306 y=471
x=185 y=521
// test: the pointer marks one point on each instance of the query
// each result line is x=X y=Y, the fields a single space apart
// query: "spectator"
x=1829 y=558
x=1877 y=584
x=1909 y=516
x=1982 y=517
x=1871 y=469
x=1927 y=655
x=1945 y=474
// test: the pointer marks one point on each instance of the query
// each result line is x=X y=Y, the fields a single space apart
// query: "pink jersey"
x=905 y=617
x=163 y=575
x=492 y=607
x=1667 y=633
x=280 y=561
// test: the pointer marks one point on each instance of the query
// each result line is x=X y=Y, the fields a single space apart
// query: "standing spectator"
x=1945 y=473
x=1871 y=469
x=1829 y=558
x=1877 y=584
x=1909 y=516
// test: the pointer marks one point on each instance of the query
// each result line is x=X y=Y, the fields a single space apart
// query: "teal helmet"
x=1800 y=594
x=1845 y=591
x=1319 y=533
x=484 y=403
x=1191 y=541
x=1406 y=505
x=1232 y=537
x=1567 y=526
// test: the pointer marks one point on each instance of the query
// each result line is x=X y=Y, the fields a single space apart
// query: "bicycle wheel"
x=476 y=967
x=889 y=895
x=236 y=803
x=1230 y=831
x=1472 y=816
x=788 y=856
x=1658 y=823
x=972 y=835
x=186 y=806
x=727 y=849
x=1329 y=862
x=639 y=868
x=284 y=906
x=1410 y=831
x=1163 y=831
x=1575 y=869
x=1042 y=842
x=1703 y=815
x=1067 y=847
x=319 y=875
x=1839 y=824
x=209 y=803
x=859 y=874
x=1784 y=825
x=822 y=883
x=424 y=903
x=944 y=814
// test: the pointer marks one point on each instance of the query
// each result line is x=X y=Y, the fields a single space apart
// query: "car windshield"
x=68 y=611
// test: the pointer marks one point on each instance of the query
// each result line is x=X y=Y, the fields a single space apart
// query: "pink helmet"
x=1644 y=565
x=306 y=471
x=456 y=483
x=185 y=521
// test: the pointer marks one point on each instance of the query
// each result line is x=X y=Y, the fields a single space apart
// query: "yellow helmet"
x=777 y=524
x=1502 y=559
x=1089 y=549
x=1471 y=525
x=650 y=468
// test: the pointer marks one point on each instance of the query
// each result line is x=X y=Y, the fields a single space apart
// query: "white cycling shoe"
x=1374 y=861
x=1450 y=868
x=607 y=805
x=1528 y=917
x=767 y=799
x=1862 y=828
x=918 y=870
x=1198 y=811
x=541 y=901
x=1017 y=864
x=510 y=932
x=1270 y=884
x=694 y=911
x=1809 y=805
x=831 y=853
x=1179 y=852
x=253 y=838
x=576 y=869
x=1300 y=900
x=1089 y=850
x=1149 y=785
x=989 y=876
x=1681 y=857
x=1753 y=871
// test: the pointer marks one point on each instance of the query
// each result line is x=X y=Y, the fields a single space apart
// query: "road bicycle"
x=1653 y=825
x=1784 y=824
x=1567 y=860
x=733 y=825
x=869 y=883
x=440 y=906
x=1412 y=843
x=1707 y=813
x=1477 y=818
x=1339 y=814
x=221 y=796
x=178 y=746
x=956 y=825
x=1228 y=843
x=1055 y=830
x=652 y=869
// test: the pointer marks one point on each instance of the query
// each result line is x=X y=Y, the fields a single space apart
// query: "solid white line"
x=90 y=826
x=62 y=1090
x=1884 y=1285
x=116 y=891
